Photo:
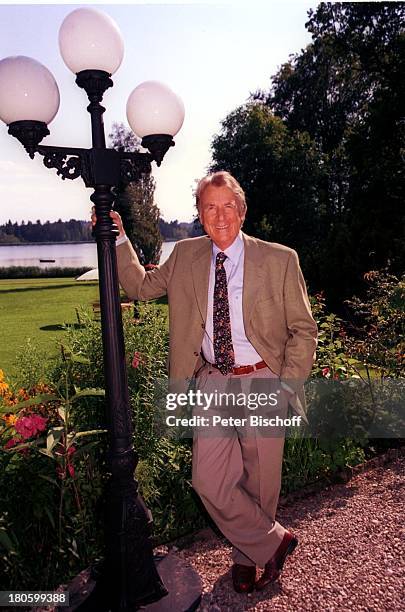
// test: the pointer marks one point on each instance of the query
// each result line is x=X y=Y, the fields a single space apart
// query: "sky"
x=212 y=55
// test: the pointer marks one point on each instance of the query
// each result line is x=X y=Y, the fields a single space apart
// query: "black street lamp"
x=92 y=47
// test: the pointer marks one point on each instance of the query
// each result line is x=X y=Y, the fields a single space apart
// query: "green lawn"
x=36 y=309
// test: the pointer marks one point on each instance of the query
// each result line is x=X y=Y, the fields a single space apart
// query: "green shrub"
x=365 y=357
x=62 y=521
x=61 y=525
x=49 y=463
x=308 y=460
x=376 y=331
x=165 y=484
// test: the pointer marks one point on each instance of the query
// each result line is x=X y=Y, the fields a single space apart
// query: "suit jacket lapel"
x=252 y=277
x=200 y=267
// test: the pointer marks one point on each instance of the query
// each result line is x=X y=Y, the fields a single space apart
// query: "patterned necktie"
x=223 y=348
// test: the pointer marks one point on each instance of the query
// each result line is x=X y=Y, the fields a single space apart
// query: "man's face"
x=220 y=216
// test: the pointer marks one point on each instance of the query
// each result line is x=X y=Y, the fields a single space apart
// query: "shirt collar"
x=233 y=252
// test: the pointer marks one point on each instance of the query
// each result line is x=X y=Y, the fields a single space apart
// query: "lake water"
x=66 y=255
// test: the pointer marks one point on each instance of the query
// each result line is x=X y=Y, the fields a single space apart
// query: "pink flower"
x=12 y=442
x=31 y=425
x=24 y=427
x=39 y=422
x=325 y=372
x=136 y=359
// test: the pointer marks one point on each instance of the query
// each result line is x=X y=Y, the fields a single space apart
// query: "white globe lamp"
x=29 y=99
x=155 y=114
x=28 y=91
x=90 y=40
x=153 y=108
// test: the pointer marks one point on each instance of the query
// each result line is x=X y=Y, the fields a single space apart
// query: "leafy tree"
x=347 y=92
x=280 y=172
x=328 y=87
x=141 y=219
x=135 y=203
x=340 y=104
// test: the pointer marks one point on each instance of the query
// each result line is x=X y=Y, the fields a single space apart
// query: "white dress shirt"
x=245 y=354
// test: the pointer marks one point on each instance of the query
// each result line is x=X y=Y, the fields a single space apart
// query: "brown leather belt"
x=247 y=369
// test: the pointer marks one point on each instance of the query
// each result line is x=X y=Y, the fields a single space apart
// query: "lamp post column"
x=92 y=48
x=129 y=577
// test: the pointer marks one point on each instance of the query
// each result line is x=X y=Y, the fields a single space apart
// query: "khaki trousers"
x=237 y=472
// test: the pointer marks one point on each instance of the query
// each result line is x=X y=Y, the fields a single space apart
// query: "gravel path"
x=350 y=556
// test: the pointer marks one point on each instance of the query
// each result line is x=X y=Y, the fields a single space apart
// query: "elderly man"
x=238 y=310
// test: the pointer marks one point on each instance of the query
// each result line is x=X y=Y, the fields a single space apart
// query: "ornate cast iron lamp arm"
x=111 y=166
x=70 y=163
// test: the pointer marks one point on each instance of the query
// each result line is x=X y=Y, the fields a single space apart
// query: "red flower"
x=136 y=359
x=12 y=442
x=24 y=427
x=325 y=372
x=30 y=425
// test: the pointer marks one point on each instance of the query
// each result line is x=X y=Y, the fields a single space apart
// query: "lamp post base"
x=182 y=580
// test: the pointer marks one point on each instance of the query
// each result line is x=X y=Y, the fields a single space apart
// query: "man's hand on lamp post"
x=116 y=218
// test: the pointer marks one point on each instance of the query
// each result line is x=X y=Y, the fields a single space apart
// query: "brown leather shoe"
x=273 y=567
x=243 y=577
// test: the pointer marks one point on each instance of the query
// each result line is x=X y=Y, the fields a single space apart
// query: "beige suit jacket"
x=276 y=311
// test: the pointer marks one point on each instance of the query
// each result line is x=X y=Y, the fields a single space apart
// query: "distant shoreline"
x=19 y=244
